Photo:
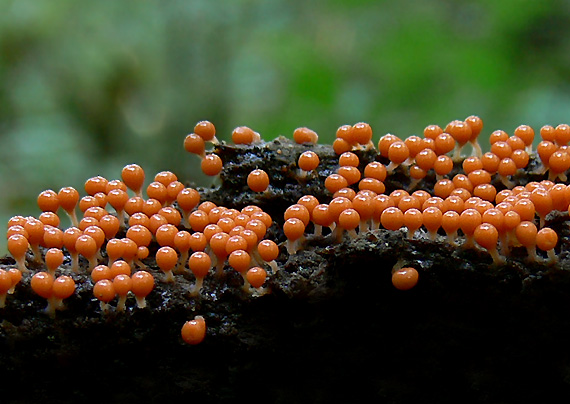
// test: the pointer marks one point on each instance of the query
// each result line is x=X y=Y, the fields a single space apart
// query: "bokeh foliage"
x=87 y=87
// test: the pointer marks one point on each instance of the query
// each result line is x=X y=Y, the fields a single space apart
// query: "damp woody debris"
x=289 y=222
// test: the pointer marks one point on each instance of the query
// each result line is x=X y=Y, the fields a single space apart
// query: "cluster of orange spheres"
x=475 y=201
x=114 y=228
x=469 y=202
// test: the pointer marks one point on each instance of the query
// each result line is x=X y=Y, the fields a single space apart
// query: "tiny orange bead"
x=415 y=145
x=157 y=190
x=398 y=152
x=501 y=149
x=205 y=129
x=218 y=244
x=305 y=136
x=498 y=136
x=258 y=227
x=258 y=180
x=139 y=234
x=142 y=284
x=408 y=202
x=188 y=199
x=268 y=250
x=100 y=272
x=361 y=133
x=53 y=259
x=130 y=249
x=375 y=170
x=347 y=193
x=340 y=146
x=425 y=159
x=42 y=283
x=122 y=284
x=417 y=173
x=349 y=219
x=166 y=258
x=431 y=218
x=256 y=276
x=293 y=228
x=351 y=174
x=239 y=260
x=68 y=198
x=526 y=233
x=63 y=287
x=462 y=181
x=48 y=201
x=545 y=149
x=469 y=220
x=104 y=290
x=193 y=332
x=516 y=143
x=86 y=246
x=194 y=144
x=392 y=218
x=362 y=203
x=476 y=125
x=52 y=237
x=546 y=239
x=471 y=164
x=525 y=208
x=49 y=218
x=479 y=177
x=119 y=267
x=486 y=192
x=211 y=164
x=432 y=131
x=460 y=130
x=199 y=263
x=372 y=184
x=198 y=220
x=454 y=203
x=172 y=191
x=562 y=134
x=450 y=222
x=134 y=205
x=151 y=206
x=308 y=201
x=348 y=159
x=559 y=161
x=443 y=165
x=443 y=188
x=486 y=235
x=444 y=143
x=521 y=158
x=412 y=220
x=243 y=135
x=308 y=161
x=405 y=278
x=236 y=242
x=526 y=133
x=490 y=162
x=96 y=184
x=385 y=142
x=321 y=215
x=334 y=182
x=380 y=203
x=133 y=177
x=542 y=201
x=299 y=211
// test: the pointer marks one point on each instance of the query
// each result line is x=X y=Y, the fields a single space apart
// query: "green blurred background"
x=88 y=87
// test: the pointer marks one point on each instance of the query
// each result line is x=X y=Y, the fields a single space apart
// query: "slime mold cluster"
x=286 y=220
